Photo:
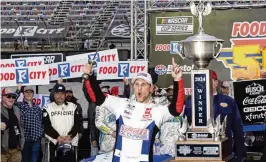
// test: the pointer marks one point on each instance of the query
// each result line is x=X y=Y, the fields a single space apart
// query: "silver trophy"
x=201 y=48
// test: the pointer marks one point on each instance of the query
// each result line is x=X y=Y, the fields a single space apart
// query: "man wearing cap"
x=138 y=120
x=31 y=116
x=226 y=106
x=225 y=88
x=12 y=138
x=61 y=124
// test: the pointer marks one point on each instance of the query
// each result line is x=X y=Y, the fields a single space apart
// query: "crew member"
x=61 y=126
x=138 y=120
x=225 y=105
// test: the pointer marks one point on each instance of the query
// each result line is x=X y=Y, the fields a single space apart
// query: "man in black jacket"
x=71 y=98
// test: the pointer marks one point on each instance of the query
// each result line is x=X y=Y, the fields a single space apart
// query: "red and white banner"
x=65 y=70
x=36 y=61
x=38 y=75
x=120 y=70
x=100 y=56
x=39 y=99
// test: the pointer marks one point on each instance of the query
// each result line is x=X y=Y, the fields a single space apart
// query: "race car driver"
x=225 y=105
x=61 y=123
x=138 y=120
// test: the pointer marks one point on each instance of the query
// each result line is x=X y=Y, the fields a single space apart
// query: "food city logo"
x=247 y=55
x=22 y=76
x=134 y=133
x=29 y=31
x=162 y=69
x=64 y=70
x=122 y=69
x=20 y=63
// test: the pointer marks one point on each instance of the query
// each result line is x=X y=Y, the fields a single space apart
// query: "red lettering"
x=108 y=70
x=76 y=68
x=7 y=76
x=254 y=28
x=37 y=101
x=108 y=58
x=244 y=30
x=7 y=65
x=52 y=71
x=37 y=74
x=136 y=69
x=262 y=28
x=235 y=29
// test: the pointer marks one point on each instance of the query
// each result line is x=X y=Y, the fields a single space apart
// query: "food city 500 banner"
x=244 y=33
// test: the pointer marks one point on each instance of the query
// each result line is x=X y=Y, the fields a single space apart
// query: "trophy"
x=206 y=139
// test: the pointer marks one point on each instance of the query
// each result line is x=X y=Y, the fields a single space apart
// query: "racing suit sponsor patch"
x=134 y=133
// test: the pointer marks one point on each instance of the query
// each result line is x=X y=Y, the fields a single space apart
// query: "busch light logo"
x=160 y=69
x=20 y=63
x=26 y=31
x=175 y=47
x=254 y=89
x=45 y=101
x=63 y=70
x=123 y=70
x=22 y=76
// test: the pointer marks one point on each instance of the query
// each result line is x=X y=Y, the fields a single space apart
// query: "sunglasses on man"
x=11 y=96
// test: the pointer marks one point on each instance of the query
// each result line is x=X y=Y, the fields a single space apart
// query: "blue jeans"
x=30 y=152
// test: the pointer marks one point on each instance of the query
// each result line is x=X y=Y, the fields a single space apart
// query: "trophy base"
x=229 y=159
x=210 y=151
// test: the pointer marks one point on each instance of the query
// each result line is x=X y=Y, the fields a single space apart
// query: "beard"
x=68 y=98
x=170 y=98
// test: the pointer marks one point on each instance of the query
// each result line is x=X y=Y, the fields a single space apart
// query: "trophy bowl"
x=201 y=48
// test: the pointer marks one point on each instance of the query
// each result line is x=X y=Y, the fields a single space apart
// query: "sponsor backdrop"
x=30 y=31
x=237 y=27
x=251 y=100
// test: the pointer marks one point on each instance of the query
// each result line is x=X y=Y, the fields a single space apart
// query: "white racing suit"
x=138 y=123
x=168 y=134
x=105 y=121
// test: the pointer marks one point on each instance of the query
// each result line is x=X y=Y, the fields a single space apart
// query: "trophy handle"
x=219 y=46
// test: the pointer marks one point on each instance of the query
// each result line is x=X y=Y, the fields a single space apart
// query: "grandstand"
x=66 y=24
x=81 y=19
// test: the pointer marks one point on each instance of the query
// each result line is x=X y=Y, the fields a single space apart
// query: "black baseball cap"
x=59 y=88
